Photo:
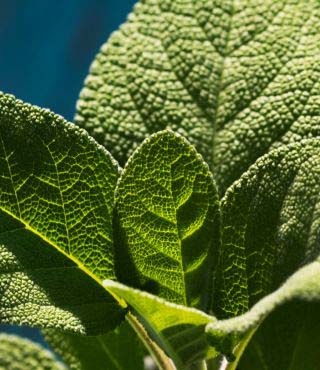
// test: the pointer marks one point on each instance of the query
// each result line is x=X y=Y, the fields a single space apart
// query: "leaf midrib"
x=219 y=83
x=185 y=298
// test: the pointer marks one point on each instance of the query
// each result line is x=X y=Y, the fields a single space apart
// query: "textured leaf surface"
x=178 y=330
x=235 y=77
x=270 y=221
x=21 y=354
x=56 y=200
x=117 y=350
x=168 y=209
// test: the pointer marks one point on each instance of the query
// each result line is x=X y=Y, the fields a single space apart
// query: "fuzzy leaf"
x=270 y=221
x=178 y=330
x=115 y=350
x=22 y=354
x=56 y=202
x=237 y=78
x=168 y=211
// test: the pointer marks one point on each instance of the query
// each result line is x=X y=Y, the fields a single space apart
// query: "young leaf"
x=270 y=221
x=168 y=211
x=115 y=350
x=57 y=188
x=237 y=78
x=21 y=354
x=178 y=330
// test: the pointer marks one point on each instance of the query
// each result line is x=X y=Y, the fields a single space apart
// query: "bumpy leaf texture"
x=270 y=232
x=168 y=211
x=21 y=354
x=237 y=78
x=56 y=201
x=115 y=350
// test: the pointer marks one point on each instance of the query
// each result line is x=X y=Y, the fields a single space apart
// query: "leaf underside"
x=168 y=210
x=235 y=78
x=56 y=202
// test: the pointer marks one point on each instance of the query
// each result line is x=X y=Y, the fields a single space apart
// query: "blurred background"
x=46 y=50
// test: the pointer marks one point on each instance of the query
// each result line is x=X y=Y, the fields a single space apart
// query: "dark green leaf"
x=117 y=350
x=270 y=232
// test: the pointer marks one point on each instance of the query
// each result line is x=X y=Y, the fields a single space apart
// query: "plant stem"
x=239 y=351
x=163 y=362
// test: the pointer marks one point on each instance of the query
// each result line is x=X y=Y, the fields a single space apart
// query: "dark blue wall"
x=46 y=48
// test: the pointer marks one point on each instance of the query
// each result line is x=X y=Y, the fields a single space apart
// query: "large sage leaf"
x=270 y=221
x=178 y=330
x=237 y=78
x=22 y=354
x=115 y=350
x=168 y=211
x=56 y=202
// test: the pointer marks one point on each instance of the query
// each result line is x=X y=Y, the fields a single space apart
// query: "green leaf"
x=298 y=349
x=270 y=221
x=56 y=203
x=168 y=211
x=177 y=329
x=115 y=350
x=22 y=354
x=236 y=78
x=289 y=338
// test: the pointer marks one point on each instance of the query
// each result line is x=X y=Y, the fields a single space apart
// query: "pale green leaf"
x=168 y=211
x=177 y=329
x=270 y=230
x=56 y=203
x=22 y=354
x=237 y=78
x=117 y=350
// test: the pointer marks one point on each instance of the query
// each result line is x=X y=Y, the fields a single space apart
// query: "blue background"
x=46 y=50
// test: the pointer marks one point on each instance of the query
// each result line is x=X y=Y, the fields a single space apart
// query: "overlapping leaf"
x=22 y=354
x=56 y=202
x=270 y=221
x=236 y=78
x=168 y=211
